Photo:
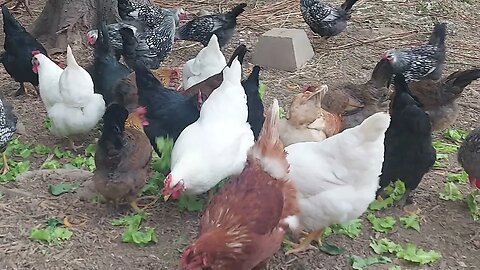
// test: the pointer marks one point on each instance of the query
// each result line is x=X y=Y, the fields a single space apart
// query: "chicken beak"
x=166 y=197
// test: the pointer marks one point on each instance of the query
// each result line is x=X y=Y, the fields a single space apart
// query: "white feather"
x=209 y=61
x=337 y=178
x=48 y=77
x=216 y=145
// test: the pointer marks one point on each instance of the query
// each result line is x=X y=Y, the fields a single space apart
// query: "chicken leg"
x=73 y=146
x=135 y=207
x=305 y=243
x=21 y=90
x=6 y=168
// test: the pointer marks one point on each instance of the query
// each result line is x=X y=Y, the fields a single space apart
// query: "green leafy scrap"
x=47 y=123
x=50 y=165
x=281 y=112
x=59 y=189
x=52 y=234
x=190 y=203
x=411 y=221
x=165 y=146
x=360 y=263
x=352 y=229
x=455 y=135
x=83 y=162
x=383 y=225
x=451 y=192
x=417 y=255
x=394 y=191
x=457 y=177
x=408 y=253
x=154 y=185
x=444 y=148
x=41 y=149
x=261 y=90
x=133 y=233
x=90 y=150
x=384 y=245
x=331 y=249
x=473 y=203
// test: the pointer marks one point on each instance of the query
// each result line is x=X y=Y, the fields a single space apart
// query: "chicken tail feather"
x=113 y=127
x=239 y=53
x=438 y=35
x=462 y=79
x=10 y=24
x=268 y=151
x=348 y=4
x=238 y=10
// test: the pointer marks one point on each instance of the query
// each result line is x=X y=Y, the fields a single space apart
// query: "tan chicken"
x=307 y=121
x=356 y=102
x=439 y=96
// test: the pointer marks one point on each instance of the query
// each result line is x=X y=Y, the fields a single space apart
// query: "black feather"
x=254 y=101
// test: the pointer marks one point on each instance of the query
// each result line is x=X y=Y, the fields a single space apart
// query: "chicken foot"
x=305 y=243
x=73 y=146
x=6 y=168
x=21 y=90
x=406 y=203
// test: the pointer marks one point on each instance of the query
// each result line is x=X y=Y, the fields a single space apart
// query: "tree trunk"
x=65 y=22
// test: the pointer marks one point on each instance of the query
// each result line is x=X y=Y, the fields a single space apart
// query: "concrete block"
x=284 y=49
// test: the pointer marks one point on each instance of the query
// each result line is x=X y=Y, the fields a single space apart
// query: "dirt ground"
x=375 y=27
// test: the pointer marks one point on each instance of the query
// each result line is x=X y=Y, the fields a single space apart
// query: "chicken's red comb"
x=308 y=88
x=36 y=52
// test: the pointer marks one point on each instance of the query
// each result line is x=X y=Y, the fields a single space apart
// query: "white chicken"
x=216 y=145
x=48 y=77
x=80 y=109
x=209 y=61
x=336 y=179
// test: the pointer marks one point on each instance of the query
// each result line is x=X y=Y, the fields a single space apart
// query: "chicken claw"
x=135 y=207
x=73 y=146
x=6 y=168
x=305 y=243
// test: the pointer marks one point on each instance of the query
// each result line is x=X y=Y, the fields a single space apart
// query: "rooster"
x=17 y=58
x=336 y=179
x=423 y=62
x=216 y=145
x=469 y=157
x=245 y=223
x=202 y=28
x=208 y=62
x=80 y=108
x=409 y=153
x=325 y=19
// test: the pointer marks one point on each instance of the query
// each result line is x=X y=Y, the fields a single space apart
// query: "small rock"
x=21 y=130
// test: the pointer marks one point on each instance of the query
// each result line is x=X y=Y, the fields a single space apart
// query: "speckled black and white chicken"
x=325 y=19
x=8 y=127
x=422 y=62
x=153 y=26
x=202 y=28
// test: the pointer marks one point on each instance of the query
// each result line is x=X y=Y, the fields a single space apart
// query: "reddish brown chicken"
x=245 y=223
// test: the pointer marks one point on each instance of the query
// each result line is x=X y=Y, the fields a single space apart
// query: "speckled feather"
x=8 y=123
x=202 y=28
x=421 y=61
x=324 y=18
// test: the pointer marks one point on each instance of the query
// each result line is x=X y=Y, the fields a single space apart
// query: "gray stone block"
x=284 y=49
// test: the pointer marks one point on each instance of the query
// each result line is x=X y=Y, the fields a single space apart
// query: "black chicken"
x=324 y=18
x=202 y=28
x=254 y=102
x=8 y=127
x=409 y=153
x=107 y=70
x=423 y=62
x=469 y=157
x=17 y=58
x=164 y=112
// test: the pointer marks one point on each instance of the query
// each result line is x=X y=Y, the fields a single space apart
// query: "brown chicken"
x=439 y=96
x=356 y=102
x=122 y=157
x=246 y=221
x=307 y=121
x=207 y=86
x=469 y=157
